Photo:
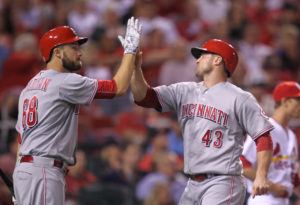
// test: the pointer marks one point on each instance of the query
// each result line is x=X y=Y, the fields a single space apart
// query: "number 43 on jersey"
x=210 y=135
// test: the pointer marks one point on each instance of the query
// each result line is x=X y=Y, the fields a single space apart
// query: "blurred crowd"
x=127 y=153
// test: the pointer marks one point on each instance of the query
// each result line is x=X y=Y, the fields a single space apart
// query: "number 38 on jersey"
x=30 y=117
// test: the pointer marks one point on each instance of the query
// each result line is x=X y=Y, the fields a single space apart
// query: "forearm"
x=124 y=73
x=263 y=162
x=18 y=149
x=139 y=85
x=249 y=173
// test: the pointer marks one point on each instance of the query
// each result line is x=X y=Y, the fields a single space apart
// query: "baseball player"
x=282 y=174
x=214 y=115
x=48 y=112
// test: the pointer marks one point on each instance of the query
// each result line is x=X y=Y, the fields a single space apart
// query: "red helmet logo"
x=58 y=36
x=221 y=48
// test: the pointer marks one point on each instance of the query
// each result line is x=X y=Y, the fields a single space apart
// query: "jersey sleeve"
x=167 y=96
x=77 y=89
x=251 y=117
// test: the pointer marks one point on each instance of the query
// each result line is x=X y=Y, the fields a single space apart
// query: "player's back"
x=46 y=122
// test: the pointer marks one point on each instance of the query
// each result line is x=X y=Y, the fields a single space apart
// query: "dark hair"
x=51 y=52
x=277 y=104
x=225 y=69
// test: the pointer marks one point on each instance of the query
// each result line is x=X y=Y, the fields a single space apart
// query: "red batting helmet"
x=58 y=36
x=221 y=48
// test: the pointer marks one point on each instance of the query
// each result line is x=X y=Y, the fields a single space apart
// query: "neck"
x=54 y=65
x=281 y=118
x=214 y=78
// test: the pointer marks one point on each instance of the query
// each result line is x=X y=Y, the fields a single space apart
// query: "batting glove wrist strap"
x=132 y=38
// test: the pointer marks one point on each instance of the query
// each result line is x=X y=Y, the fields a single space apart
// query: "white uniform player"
x=214 y=115
x=283 y=169
x=48 y=112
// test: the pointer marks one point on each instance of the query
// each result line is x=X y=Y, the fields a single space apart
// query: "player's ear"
x=218 y=60
x=57 y=52
x=284 y=102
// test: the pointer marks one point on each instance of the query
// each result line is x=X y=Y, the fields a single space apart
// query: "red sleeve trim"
x=19 y=138
x=106 y=89
x=264 y=142
x=245 y=162
x=150 y=100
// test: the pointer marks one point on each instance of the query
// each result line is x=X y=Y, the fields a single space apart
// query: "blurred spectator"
x=110 y=161
x=259 y=13
x=158 y=143
x=169 y=8
x=61 y=13
x=82 y=19
x=100 y=6
x=290 y=14
x=190 y=25
x=26 y=15
x=110 y=50
x=160 y=195
x=239 y=76
x=22 y=64
x=263 y=94
x=175 y=138
x=289 y=49
x=222 y=30
x=111 y=21
x=212 y=11
x=78 y=177
x=8 y=160
x=180 y=67
x=149 y=18
x=131 y=125
x=46 y=19
x=5 y=42
x=8 y=116
x=155 y=53
x=237 y=18
x=93 y=67
x=274 y=72
x=253 y=53
x=165 y=172
x=128 y=175
x=7 y=164
x=131 y=154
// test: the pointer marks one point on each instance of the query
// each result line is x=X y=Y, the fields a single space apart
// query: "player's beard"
x=69 y=64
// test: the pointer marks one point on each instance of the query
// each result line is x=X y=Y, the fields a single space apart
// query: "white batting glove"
x=133 y=36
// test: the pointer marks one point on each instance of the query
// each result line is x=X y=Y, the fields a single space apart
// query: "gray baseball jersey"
x=48 y=113
x=214 y=122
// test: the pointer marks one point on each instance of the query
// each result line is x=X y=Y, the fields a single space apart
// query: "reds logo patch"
x=262 y=112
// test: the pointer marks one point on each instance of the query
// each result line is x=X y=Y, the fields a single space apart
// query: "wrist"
x=271 y=185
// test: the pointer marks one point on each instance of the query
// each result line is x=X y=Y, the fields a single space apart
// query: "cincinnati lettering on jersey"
x=206 y=112
x=38 y=84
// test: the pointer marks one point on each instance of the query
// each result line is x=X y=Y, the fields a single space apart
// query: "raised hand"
x=133 y=36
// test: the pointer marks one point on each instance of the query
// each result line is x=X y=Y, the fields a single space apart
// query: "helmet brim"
x=82 y=40
x=197 y=52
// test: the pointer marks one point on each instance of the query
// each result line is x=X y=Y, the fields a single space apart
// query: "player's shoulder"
x=186 y=84
x=237 y=91
x=180 y=86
